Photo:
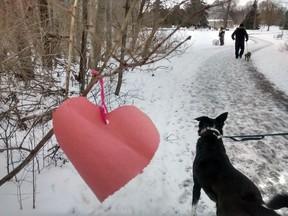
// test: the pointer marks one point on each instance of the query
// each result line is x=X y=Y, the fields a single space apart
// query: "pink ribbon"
x=103 y=108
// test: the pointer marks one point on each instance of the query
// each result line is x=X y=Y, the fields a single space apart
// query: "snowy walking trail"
x=205 y=80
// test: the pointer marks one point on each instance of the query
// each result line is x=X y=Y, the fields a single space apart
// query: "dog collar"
x=214 y=131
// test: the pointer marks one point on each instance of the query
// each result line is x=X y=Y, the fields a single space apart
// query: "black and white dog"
x=234 y=193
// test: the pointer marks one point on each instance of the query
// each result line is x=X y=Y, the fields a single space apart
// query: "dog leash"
x=253 y=137
x=247 y=47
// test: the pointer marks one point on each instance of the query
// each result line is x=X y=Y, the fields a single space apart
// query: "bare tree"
x=227 y=13
x=123 y=48
x=98 y=36
x=44 y=24
x=20 y=10
x=83 y=52
x=270 y=13
x=70 y=48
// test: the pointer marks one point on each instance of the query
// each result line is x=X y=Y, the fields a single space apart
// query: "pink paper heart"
x=106 y=156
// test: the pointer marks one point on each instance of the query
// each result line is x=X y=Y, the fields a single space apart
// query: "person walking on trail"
x=221 y=35
x=240 y=35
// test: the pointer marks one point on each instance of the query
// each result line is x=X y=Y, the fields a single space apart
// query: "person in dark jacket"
x=221 y=35
x=240 y=35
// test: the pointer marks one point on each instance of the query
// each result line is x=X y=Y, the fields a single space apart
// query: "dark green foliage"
x=285 y=26
x=252 y=18
x=191 y=14
x=195 y=15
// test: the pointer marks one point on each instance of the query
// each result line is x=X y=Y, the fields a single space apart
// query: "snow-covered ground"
x=205 y=80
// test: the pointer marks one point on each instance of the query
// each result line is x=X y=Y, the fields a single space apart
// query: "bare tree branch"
x=28 y=159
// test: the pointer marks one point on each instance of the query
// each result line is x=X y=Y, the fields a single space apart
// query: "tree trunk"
x=255 y=6
x=83 y=54
x=109 y=34
x=155 y=27
x=47 y=59
x=123 y=48
x=98 y=37
x=270 y=10
x=136 y=28
x=22 y=42
x=227 y=14
x=70 y=49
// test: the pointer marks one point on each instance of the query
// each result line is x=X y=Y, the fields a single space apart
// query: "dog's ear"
x=202 y=118
x=222 y=118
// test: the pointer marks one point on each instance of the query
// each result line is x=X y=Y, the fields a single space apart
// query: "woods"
x=47 y=51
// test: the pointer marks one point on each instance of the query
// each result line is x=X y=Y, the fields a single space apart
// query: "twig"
x=28 y=158
x=15 y=148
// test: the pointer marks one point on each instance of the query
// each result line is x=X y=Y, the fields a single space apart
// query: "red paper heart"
x=106 y=156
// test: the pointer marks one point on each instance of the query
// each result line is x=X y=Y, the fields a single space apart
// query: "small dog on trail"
x=247 y=56
x=234 y=193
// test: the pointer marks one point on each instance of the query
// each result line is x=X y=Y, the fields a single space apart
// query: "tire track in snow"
x=255 y=107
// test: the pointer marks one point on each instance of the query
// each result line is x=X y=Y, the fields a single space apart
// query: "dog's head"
x=248 y=56
x=216 y=125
